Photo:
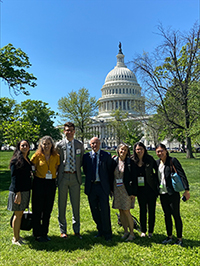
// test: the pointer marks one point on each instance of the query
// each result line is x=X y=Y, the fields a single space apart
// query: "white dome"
x=120 y=73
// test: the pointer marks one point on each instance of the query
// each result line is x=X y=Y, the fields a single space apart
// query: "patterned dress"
x=121 y=198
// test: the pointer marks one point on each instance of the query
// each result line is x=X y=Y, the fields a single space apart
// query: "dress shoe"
x=98 y=235
x=47 y=238
x=78 y=235
x=108 y=239
x=63 y=235
x=41 y=239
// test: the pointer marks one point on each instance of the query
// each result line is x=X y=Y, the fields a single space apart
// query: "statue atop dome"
x=120 y=48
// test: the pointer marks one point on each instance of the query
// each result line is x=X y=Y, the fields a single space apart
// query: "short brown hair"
x=69 y=124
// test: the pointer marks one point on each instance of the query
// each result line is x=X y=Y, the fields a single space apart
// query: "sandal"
x=125 y=235
x=130 y=238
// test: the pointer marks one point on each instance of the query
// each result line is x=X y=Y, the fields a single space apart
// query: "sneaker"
x=18 y=242
x=64 y=236
x=167 y=240
x=142 y=235
x=78 y=235
x=150 y=235
x=178 y=243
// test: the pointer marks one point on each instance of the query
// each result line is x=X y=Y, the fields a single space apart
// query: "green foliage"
x=134 y=132
x=124 y=128
x=169 y=75
x=91 y=251
x=8 y=112
x=13 y=63
x=38 y=113
x=119 y=125
x=26 y=119
x=15 y=131
x=78 y=107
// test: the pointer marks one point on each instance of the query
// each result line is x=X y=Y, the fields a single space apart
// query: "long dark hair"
x=162 y=146
x=18 y=157
x=135 y=157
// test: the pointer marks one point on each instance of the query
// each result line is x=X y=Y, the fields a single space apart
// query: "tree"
x=8 y=112
x=125 y=129
x=171 y=72
x=37 y=113
x=13 y=65
x=134 y=132
x=118 y=125
x=79 y=107
x=16 y=130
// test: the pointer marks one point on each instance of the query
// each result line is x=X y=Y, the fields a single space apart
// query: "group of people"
x=123 y=177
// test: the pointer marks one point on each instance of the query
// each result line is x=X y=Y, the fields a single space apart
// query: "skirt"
x=25 y=198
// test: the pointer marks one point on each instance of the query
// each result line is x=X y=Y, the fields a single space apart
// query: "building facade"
x=120 y=91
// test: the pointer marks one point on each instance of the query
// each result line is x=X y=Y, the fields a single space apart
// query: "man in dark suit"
x=69 y=179
x=98 y=170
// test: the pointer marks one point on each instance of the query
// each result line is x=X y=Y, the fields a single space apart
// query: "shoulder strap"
x=172 y=166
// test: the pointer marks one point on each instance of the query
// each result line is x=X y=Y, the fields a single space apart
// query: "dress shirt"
x=97 y=168
x=67 y=165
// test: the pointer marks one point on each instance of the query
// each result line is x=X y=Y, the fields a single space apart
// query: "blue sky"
x=73 y=43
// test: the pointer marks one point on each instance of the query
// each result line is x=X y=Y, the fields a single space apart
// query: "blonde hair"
x=40 y=149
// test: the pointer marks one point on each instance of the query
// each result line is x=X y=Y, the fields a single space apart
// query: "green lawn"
x=90 y=251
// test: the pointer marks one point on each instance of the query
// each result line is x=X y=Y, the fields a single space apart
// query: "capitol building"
x=120 y=91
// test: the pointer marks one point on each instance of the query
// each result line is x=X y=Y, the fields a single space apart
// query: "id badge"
x=140 y=181
x=48 y=175
x=119 y=182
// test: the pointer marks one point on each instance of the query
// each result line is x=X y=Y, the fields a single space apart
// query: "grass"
x=91 y=251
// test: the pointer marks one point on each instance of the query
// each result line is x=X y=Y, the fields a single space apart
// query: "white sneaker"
x=18 y=242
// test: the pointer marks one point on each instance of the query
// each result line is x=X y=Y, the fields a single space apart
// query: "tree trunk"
x=189 y=148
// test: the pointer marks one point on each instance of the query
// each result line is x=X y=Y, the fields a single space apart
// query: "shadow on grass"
x=5 y=180
x=72 y=243
x=158 y=238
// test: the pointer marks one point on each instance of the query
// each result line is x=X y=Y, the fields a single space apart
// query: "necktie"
x=71 y=159
x=94 y=165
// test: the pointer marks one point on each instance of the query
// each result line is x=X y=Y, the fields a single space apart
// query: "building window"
x=124 y=105
x=119 y=91
x=116 y=91
x=113 y=91
x=126 y=90
x=123 y=90
x=120 y=105
x=116 y=105
x=130 y=91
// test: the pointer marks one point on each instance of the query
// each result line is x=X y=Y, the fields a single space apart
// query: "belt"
x=96 y=182
x=68 y=172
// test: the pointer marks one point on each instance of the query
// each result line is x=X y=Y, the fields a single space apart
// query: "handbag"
x=26 y=222
x=176 y=179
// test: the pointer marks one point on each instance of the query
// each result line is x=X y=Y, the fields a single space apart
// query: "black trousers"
x=100 y=209
x=43 y=196
x=171 y=207
x=147 y=202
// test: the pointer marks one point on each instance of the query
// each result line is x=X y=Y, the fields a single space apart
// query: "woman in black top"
x=170 y=199
x=19 y=190
x=147 y=189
